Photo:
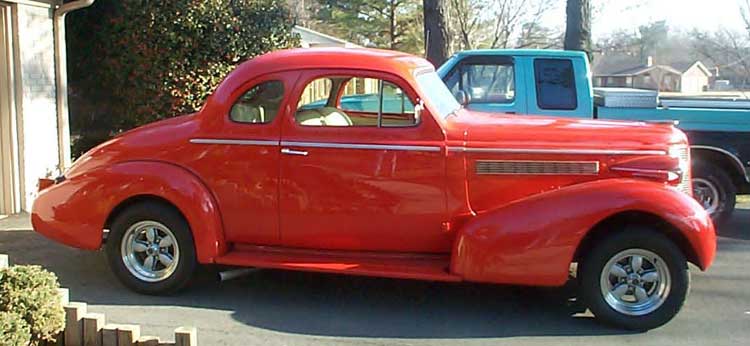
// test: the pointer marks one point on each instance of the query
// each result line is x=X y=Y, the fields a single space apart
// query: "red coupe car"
x=399 y=181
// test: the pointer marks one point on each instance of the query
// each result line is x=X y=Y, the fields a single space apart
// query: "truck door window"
x=555 y=84
x=484 y=82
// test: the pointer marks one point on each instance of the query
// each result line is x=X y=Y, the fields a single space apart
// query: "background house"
x=34 y=137
x=627 y=71
x=696 y=77
x=310 y=38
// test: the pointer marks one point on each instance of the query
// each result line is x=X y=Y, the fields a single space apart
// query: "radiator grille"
x=538 y=167
x=683 y=153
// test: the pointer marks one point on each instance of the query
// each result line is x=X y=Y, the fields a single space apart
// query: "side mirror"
x=462 y=97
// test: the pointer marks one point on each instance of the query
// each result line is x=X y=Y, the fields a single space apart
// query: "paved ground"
x=285 y=308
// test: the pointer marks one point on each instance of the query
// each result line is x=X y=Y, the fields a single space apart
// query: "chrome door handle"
x=288 y=151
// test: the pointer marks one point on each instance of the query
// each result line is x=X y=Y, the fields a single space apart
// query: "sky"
x=613 y=15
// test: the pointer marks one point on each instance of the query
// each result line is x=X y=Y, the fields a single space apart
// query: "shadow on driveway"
x=341 y=306
x=327 y=305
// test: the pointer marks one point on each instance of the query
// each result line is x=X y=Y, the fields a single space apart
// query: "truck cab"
x=559 y=83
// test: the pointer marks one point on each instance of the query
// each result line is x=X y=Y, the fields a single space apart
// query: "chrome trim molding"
x=361 y=146
x=726 y=152
x=501 y=167
x=233 y=141
x=558 y=151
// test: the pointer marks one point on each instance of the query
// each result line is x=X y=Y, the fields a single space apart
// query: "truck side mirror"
x=462 y=97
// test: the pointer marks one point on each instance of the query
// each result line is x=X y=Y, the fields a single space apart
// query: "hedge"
x=135 y=61
x=14 y=330
x=29 y=298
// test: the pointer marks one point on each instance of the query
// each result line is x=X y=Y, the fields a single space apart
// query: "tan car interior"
x=330 y=115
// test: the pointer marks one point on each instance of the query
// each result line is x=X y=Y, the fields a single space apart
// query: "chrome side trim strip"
x=232 y=141
x=726 y=152
x=558 y=151
x=360 y=146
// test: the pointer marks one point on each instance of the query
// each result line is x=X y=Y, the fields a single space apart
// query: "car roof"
x=524 y=52
x=400 y=64
x=345 y=58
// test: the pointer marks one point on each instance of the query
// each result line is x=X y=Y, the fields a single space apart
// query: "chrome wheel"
x=635 y=282
x=149 y=250
x=707 y=194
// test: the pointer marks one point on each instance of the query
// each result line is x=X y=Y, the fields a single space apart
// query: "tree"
x=497 y=23
x=392 y=24
x=136 y=61
x=729 y=51
x=437 y=32
x=578 y=26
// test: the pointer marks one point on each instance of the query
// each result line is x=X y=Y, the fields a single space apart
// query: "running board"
x=393 y=265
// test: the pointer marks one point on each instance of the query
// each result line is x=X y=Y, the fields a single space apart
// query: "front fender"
x=533 y=241
x=74 y=212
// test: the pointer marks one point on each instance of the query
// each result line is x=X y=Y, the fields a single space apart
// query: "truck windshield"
x=435 y=90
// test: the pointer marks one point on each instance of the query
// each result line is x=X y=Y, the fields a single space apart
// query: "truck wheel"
x=637 y=279
x=714 y=190
x=150 y=249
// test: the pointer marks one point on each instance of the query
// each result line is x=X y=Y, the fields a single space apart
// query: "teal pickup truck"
x=548 y=82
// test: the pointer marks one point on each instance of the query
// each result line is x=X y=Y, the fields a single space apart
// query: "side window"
x=260 y=104
x=484 y=82
x=364 y=102
x=555 y=84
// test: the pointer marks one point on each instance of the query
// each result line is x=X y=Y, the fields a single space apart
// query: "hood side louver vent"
x=538 y=167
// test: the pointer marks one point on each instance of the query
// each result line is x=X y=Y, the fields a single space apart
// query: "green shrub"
x=135 y=61
x=14 y=331
x=32 y=293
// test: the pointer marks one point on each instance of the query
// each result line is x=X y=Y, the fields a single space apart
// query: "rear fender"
x=76 y=210
x=533 y=241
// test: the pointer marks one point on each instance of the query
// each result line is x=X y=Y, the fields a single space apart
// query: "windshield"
x=435 y=90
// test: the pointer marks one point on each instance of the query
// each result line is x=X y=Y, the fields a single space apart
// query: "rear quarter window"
x=555 y=84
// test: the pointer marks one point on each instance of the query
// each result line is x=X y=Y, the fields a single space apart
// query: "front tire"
x=637 y=279
x=714 y=190
x=150 y=249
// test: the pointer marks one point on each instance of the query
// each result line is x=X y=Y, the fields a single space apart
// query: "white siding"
x=38 y=137
x=693 y=80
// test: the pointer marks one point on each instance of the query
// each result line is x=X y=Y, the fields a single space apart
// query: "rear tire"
x=636 y=279
x=714 y=190
x=150 y=249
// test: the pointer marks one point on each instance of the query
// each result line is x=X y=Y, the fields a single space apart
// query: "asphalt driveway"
x=285 y=308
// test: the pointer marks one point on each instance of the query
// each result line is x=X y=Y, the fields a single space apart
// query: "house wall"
x=37 y=100
x=657 y=79
x=8 y=170
x=694 y=80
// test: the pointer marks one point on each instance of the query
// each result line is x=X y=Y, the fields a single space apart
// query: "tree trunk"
x=392 y=23
x=578 y=28
x=437 y=38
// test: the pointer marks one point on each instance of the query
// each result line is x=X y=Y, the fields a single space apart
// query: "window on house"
x=260 y=104
x=363 y=102
x=555 y=84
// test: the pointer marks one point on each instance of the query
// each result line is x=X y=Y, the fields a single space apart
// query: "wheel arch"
x=619 y=222
x=723 y=158
x=138 y=199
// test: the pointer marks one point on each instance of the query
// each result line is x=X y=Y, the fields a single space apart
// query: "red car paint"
x=432 y=214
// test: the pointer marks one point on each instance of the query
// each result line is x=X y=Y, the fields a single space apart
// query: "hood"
x=480 y=129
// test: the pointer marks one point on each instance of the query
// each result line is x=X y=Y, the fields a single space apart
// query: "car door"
x=489 y=82
x=240 y=159
x=364 y=173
